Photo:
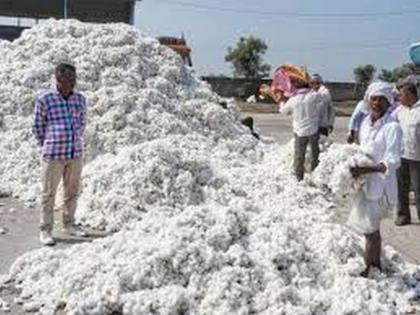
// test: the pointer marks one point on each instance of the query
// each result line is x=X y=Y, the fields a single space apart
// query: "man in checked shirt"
x=59 y=122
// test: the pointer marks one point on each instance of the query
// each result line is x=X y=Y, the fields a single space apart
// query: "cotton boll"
x=31 y=307
x=166 y=301
x=229 y=291
x=4 y=306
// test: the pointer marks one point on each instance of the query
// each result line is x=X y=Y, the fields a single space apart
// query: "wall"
x=10 y=32
x=243 y=88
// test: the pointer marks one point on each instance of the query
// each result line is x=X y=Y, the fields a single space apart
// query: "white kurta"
x=409 y=119
x=327 y=111
x=381 y=141
x=305 y=109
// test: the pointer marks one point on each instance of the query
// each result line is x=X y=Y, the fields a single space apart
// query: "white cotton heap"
x=137 y=91
x=334 y=167
x=209 y=220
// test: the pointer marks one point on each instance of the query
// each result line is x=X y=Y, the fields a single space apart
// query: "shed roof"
x=84 y=10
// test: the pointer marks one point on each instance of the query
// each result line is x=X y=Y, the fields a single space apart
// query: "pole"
x=65 y=9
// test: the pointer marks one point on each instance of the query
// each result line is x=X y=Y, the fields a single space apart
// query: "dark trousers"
x=301 y=144
x=323 y=131
x=408 y=176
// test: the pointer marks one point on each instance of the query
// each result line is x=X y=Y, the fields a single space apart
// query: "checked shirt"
x=59 y=123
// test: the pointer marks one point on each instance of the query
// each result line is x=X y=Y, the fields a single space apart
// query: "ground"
x=21 y=223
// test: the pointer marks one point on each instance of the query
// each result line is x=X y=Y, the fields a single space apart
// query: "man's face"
x=278 y=95
x=378 y=105
x=315 y=84
x=406 y=98
x=65 y=82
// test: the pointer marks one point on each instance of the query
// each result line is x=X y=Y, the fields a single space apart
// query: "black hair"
x=249 y=122
x=409 y=87
x=64 y=68
x=301 y=84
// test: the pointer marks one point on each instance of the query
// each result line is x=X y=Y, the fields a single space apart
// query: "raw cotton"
x=4 y=306
x=137 y=91
x=208 y=219
x=334 y=167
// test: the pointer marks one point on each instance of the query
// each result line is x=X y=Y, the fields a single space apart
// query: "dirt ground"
x=19 y=224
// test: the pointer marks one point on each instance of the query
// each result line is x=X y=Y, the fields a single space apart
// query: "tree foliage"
x=397 y=73
x=363 y=75
x=246 y=58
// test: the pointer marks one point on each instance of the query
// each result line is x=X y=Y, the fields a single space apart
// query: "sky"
x=330 y=37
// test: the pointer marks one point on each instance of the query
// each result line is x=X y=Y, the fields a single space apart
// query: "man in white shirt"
x=327 y=111
x=305 y=110
x=380 y=139
x=408 y=115
x=290 y=89
x=356 y=119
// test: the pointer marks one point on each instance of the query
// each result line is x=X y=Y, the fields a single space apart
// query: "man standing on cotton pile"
x=380 y=138
x=59 y=123
x=408 y=115
x=327 y=111
x=290 y=88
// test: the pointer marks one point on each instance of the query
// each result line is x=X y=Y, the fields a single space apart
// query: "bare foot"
x=365 y=273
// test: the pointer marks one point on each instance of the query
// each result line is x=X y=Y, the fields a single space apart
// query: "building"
x=99 y=11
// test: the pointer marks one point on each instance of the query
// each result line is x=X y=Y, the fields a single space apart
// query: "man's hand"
x=357 y=171
x=352 y=138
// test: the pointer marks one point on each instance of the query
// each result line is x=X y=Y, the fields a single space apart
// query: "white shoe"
x=46 y=238
x=75 y=230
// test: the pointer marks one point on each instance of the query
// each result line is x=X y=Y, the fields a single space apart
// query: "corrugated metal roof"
x=84 y=10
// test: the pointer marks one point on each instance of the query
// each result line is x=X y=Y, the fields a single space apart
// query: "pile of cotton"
x=137 y=91
x=241 y=254
x=208 y=219
x=172 y=172
x=333 y=171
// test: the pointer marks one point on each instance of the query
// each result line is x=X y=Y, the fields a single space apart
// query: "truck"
x=179 y=45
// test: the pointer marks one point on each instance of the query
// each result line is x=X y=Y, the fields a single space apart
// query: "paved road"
x=280 y=127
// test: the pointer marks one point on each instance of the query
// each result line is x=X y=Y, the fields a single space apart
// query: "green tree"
x=246 y=58
x=386 y=75
x=397 y=73
x=363 y=75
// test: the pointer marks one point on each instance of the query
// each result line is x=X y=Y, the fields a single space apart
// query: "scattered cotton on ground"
x=208 y=219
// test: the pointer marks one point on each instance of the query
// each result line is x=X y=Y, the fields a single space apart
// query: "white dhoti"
x=366 y=215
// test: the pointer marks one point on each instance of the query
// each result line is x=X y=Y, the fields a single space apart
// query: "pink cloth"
x=281 y=81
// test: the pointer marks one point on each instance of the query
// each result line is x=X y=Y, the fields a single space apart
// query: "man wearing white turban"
x=380 y=138
x=362 y=110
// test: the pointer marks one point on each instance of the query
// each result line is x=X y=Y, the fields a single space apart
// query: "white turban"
x=381 y=89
